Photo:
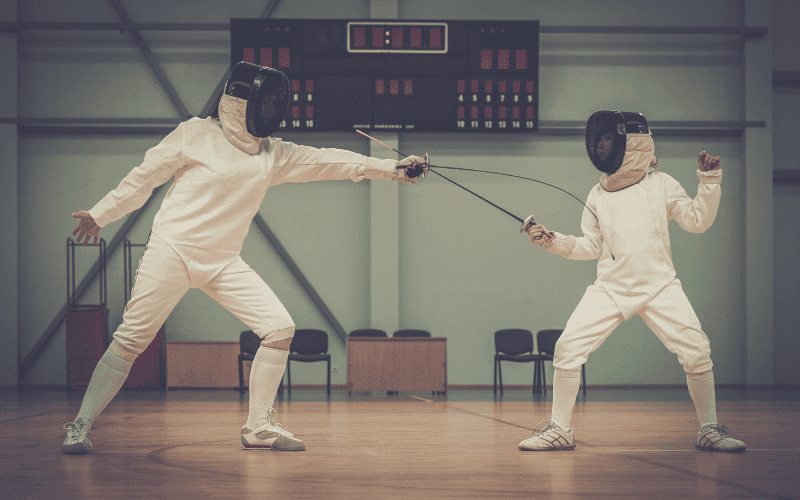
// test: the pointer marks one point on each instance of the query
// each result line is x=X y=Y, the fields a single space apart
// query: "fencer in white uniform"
x=222 y=169
x=626 y=228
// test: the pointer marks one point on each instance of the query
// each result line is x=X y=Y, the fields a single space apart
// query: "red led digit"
x=461 y=86
x=284 y=57
x=408 y=87
x=503 y=59
x=486 y=59
x=295 y=85
x=415 y=38
x=266 y=57
x=394 y=87
x=515 y=113
x=515 y=86
x=501 y=113
x=436 y=38
x=359 y=37
x=529 y=112
x=487 y=85
x=377 y=38
x=460 y=112
x=529 y=86
x=397 y=38
x=249 y=55
x=522 y=59
x=380 y=87
x=309 y=112
x=473 y=112
x=296 y=112
x=487 y=112
x=309 y=86
x=475 y=84
x=501 y=87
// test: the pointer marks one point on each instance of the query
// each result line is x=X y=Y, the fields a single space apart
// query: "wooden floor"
x=185 y=444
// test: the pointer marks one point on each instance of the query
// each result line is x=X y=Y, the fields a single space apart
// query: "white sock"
x=701 y=388
x=265 y=377
x=565 y=390
x=107 y=379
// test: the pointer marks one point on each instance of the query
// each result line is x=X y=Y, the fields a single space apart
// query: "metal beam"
x=26 y=364
x=299 y=276
x=152 y=61
x=10 y=27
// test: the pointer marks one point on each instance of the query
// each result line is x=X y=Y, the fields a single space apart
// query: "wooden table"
x=397 y=364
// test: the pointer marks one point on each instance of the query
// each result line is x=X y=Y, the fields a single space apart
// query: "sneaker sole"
x=722 y=450
x=549 y=449
x=283 y=443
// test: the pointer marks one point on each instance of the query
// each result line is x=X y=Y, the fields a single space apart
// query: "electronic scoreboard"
x=453 y=76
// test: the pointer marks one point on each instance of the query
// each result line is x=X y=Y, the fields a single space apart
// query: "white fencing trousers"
x=163 y=278
x=668 y=314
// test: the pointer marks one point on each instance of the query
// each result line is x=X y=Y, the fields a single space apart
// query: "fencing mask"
x=267 y=93
x=606 y=136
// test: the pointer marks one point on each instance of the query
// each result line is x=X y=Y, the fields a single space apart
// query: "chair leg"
x=535 y=387
x=329 y=377
x=544 y=380
x=500 y=375
x=495 y=375
x=583 y=377
x=241 y=377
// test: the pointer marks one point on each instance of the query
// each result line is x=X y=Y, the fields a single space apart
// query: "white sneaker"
x=270 y=436
x=717 y=437
x=552 y=437
x=76 y=440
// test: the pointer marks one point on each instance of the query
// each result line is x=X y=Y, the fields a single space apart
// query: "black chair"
x=308 y=345
x=516 y=344
x=410 y=332
x=546 y=341
x=249 y=343
x=367 y=332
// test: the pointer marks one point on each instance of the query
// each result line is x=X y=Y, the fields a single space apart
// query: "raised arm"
x=696 y=215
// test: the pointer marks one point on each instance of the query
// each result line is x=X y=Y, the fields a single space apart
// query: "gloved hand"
x=414 y=167
x=538 y=235
x=706 y=162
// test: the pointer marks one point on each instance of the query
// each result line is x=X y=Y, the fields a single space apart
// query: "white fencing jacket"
x=633 y=226
x=218 y=188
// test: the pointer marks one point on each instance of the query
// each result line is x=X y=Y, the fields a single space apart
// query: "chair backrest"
x=309 y=341
x=367 y=332
x=513 y=341
x=249 y=342
x=546 y=341
x=410 y=332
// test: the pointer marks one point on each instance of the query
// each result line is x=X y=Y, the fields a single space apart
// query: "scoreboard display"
x=443 y=76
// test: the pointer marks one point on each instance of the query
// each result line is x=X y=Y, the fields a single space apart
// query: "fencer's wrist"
x=380 y=169
x=710 y=176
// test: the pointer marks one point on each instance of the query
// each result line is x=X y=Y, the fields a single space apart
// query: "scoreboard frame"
x=389 y=75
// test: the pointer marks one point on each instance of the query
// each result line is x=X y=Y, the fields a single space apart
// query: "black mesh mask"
x=606 y=136
x=267 y=93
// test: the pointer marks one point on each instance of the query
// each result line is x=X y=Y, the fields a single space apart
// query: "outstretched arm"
x=586 y=247
x=297 y=163
x=696 y=215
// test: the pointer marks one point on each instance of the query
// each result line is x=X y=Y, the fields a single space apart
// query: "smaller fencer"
x=626 y=228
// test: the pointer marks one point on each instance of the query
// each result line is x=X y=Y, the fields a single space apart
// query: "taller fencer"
x=633 y=203
x=222 y=167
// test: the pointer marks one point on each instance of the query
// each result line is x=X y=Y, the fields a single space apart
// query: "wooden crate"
x=397 y=364
x=202 y=364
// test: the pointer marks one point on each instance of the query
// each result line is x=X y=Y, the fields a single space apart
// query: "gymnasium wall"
x=464 y=269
